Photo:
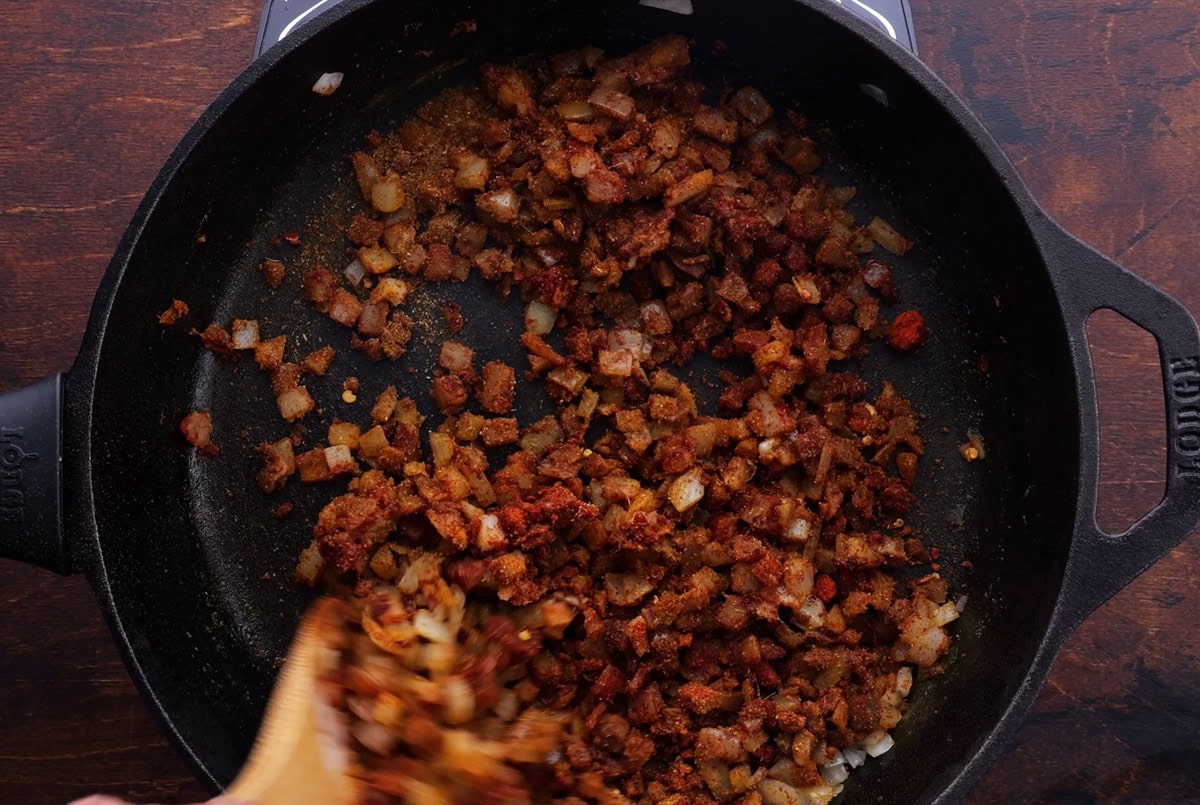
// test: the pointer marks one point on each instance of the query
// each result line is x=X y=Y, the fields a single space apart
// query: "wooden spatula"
x=300 y=755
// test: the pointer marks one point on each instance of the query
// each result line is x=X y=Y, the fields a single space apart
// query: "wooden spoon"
x=301 y=755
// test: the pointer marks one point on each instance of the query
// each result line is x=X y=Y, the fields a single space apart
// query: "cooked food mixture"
x=634 y=599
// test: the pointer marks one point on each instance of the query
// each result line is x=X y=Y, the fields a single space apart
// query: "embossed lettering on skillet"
x=12 y=474
x=1185 y=389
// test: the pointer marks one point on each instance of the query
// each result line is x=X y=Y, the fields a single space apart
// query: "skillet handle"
x=1101 y=563
x=31 y=526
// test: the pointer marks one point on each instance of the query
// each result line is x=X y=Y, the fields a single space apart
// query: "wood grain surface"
x=1096 y=101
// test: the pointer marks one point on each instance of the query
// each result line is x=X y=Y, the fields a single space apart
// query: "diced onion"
x=294 y=403
x=887 y=237
x=491 y=536
x=387 y=195
x=877 y=743
x=627 y=589
x=904 y=680
x=811 y=613
x=751 y=104
x=328 y=83
x=854 y=756
x=776 y=792
x=835 y=774
x=576 y=111
x=632 y=340
x=946 y=613
x=500 y=204
x=244 y=333
x=339 y=459
x=798 y=531
x=613 y=103
x=716 y=777
x=311 y=563
x=431 y=628
x=355 y=272
x=687 y=490
x=472 y=172
x=539 y=318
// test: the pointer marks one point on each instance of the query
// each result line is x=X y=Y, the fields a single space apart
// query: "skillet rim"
x=84 y=542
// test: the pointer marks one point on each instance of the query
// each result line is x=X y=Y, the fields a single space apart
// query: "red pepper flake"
x=464 y=27
x=454 y=317
x=907 y=331
x=291 y=238
x=284 y=509
x=825 y=588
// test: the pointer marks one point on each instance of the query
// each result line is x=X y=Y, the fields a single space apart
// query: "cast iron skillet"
x=193 y=572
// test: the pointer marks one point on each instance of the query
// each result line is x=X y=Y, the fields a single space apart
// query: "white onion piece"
x=355 y=273
x=575 y=111
x=687 y=490
x=766 y=135
x=431 y=628
x=539 y=318
x=627 y=589
x=799 y=530
x=798 y=574
x=245 y=333
x=472 y=172
x=339 y=459
x=854 y=756
x=294 y=403
x=716 y=777
x=502 y=205
x=775 y=792
x=946 y=613
x=877 y=743
x=904 y=680
x=611 y=102
x=632 y=340
x=834 y=774
x=491 y=535
x=328 y=83
x=811 y=614
x=820 y=794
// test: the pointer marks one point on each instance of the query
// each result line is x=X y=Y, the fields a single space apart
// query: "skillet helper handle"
x=1102 y=564
x=31 y=524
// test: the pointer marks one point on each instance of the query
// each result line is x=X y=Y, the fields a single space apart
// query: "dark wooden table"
x=1096 y=101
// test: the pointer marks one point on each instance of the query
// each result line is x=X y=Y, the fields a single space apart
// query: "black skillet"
x=194 y=573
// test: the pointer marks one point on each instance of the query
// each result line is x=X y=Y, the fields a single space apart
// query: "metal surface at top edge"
x=281 y=17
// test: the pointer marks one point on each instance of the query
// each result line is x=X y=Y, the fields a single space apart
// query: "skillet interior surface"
x=201 y=571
